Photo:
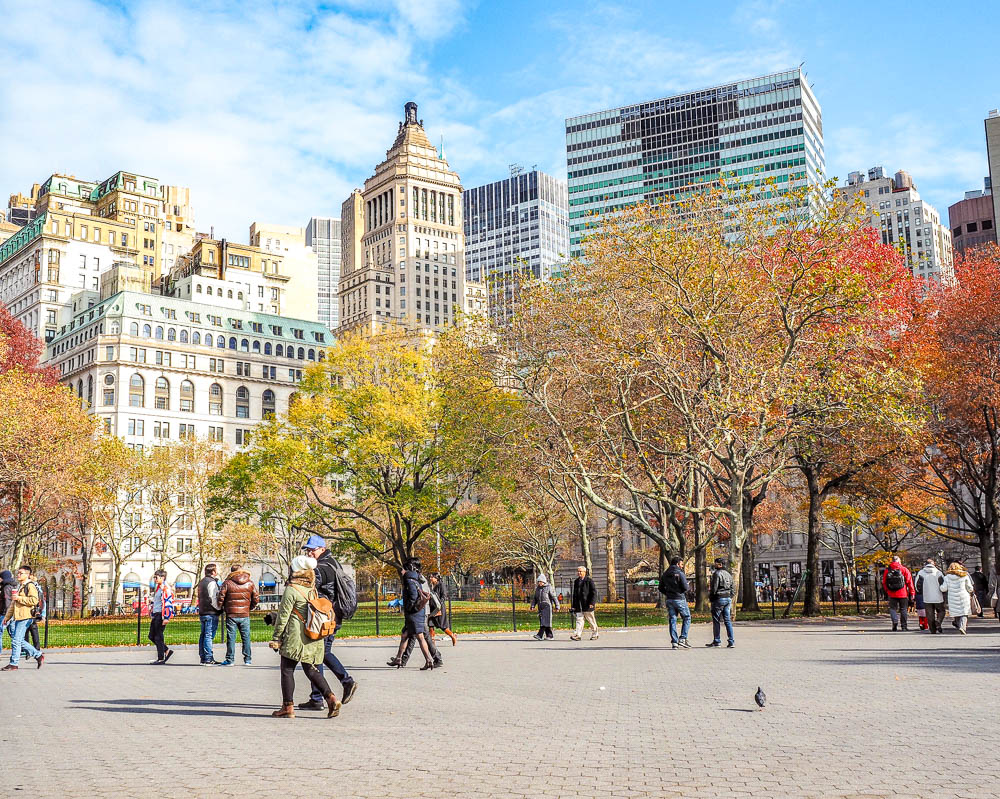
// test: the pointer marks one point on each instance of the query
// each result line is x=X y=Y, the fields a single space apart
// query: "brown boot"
x=287 y=711
x=334 y=706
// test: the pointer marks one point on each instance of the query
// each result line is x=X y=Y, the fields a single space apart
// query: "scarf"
x=958 y=570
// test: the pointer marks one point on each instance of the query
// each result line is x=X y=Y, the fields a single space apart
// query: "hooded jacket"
x=238 y=595
x=907 y=590
x=959 y=587
x=929 y=580
x=8 y=585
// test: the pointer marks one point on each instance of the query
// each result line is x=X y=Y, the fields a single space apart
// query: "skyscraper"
x=766 y=127
x=403 y=247
x=323 y=235
x=992 y=124
x=516 y=228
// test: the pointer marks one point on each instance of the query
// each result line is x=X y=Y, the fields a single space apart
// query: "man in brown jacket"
x=237 y=597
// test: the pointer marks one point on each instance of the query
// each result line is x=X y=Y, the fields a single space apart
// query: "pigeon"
x=760 y=698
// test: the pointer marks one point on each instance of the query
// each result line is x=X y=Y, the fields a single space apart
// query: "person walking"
x=720 y=593
x=208 y=614
x=898 y=585
x=959 y=588
x=20 y=614
x=544 y=599
x=439 y=619
x=432 y=607
x=584 y=601
x=38 y=614
x=415 y=600
x=980 y=584
x=674 y=587
x=326 y=586
x=7 y=588
x=237 y=597
x=291 y=642
x=162 y=611
x=929 y=582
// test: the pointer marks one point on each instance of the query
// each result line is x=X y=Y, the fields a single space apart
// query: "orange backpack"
x=319 y=621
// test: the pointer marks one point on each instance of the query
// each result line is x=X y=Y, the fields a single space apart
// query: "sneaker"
x=349 y=691
x=673 y=646
x=226 y=663
x=714 y=643
x=963 y=632
x=574 y=638
x=167 y=656
x=156 y=663
x=313 y=704
x=684 y=643
x=8 y=667
x=550 y=638
x=247 y=662
x=730 y=645
x=594 y=637
x=38 y=662
x=537 y=637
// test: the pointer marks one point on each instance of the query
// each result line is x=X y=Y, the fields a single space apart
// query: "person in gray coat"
x=544 y=598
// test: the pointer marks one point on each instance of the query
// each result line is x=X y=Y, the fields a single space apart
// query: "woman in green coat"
x=291 y=641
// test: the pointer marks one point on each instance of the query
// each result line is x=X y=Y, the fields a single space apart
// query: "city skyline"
x=288 y=137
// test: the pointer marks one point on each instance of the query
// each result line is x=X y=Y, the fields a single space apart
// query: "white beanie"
x=541 y=579
x=303 y=562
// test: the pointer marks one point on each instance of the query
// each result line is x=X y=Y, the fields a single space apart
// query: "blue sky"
x=274 y=111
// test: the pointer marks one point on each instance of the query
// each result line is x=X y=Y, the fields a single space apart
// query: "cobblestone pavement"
x=854 y=711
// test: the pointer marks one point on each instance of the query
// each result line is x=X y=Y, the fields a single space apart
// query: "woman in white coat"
x=958 y=584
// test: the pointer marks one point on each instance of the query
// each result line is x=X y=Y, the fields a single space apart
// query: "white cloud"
x=267 y=111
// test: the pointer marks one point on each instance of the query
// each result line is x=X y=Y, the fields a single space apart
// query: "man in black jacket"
x=584 y=599
x=720 y=592
x=326 y=586
x=208 y=614
x=674 y=587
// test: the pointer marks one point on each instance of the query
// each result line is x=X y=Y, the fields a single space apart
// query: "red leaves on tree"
x=20 y=348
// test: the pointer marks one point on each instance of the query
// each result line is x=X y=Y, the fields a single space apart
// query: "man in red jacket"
x=898 y=585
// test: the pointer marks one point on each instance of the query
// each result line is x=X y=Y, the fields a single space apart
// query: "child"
x=544 y=598
x=921 y=611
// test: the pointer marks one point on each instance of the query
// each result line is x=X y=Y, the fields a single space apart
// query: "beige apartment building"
x=402 y=242
x=300 y=264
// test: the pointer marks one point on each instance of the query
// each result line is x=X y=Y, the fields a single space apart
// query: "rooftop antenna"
x=515 y=170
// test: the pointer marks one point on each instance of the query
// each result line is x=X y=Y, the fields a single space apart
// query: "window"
x=159 y=332
x=108 y=397
x=162 y=358
x=109 y=353
x=267 y=347
x=137 y=354
x=215 y=434
x=267 y=404
x=215 y=400
x=242 y=369
x=161 y=429
x=147 y=331
x=269 y=372
x=136 y=391
x=187 y=396
x=161 y=394
x=216 y=365
x=195 y=338
x=185 y=431
x=136 y=427
x=242 y=403
x=242 y=438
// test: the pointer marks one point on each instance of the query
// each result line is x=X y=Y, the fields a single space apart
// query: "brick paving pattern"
x=852 y=713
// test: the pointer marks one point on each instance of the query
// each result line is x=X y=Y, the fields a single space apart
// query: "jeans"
x=156 y=635
x=18 y=644
x=232 y=625
x=209 y=624
x=333 y=662
x=898 y=605
x=675 y=608
x=721 y=613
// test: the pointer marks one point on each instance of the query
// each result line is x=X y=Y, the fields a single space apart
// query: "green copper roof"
x=22 y=238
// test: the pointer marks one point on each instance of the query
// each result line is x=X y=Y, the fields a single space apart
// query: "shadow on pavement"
x=166 y=707
x=969 y=660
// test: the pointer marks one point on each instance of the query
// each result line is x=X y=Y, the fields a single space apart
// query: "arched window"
x=215 y=399
x=136 y=391
x=79 y=388
x=208 y=340
x=322 y=355
x=187 y=396
x=208 y=290
x=290 y=352
x=220 y=342
x=133 y=329
x=115 y=328
x=302 y=353
x=312 y=355
x=279 y=351
x=161 y=394
x=90 y=389
x=239 y=295
x=267 y=347
x=184 y=337
x=230 y=294
x=159 y=332
x=242 y=403
x=267 y=404
x=171 y=334
x=256 y=346
x=245 y=345
x=232 y=342
x=147 y=331
x=294 y=396
x=196 y=338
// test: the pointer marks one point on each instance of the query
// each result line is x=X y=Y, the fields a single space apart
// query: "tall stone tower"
x=403 y=258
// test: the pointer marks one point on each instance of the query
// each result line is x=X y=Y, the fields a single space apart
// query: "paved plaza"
x=854 y=711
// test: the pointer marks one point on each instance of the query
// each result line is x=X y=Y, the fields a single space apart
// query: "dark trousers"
x=33 y=632
x=318 y=681
x=544 y=631
x=156 y=635
x=411 y=640
x=332 y=662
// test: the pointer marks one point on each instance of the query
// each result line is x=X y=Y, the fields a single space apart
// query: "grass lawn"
x=467 y=617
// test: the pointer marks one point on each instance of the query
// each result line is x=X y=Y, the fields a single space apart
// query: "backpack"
x=346 y=603
x=319 y=621
x=38 y=612
x=894 y=580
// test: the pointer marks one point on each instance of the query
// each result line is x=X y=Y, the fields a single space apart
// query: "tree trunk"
x=813 y=576
x=664 y=562
x=747 y=578
x=584 y=532
x=986 y=554
x=115 y=583
x=609 y=552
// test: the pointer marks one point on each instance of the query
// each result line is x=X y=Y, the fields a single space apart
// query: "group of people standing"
x=22 y=606
x=934 y=592
x=674 y=587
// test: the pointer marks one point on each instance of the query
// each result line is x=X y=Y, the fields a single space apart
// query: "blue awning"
x=268 y=581
x=130 y=586
x=184 y=581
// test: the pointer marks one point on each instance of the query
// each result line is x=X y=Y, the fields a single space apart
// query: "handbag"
x=974 y=606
